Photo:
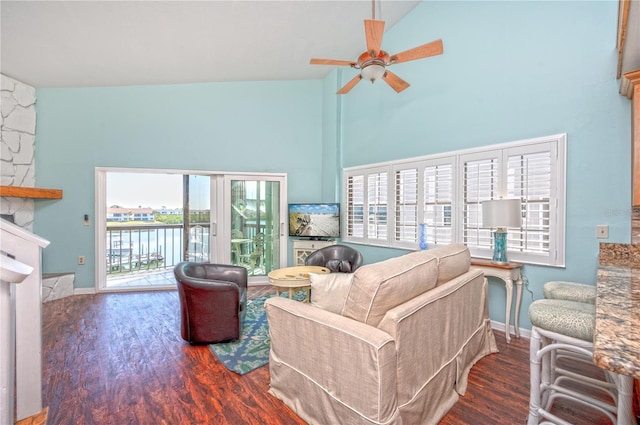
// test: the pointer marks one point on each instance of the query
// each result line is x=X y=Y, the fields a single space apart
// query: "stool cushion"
x=569 y=318
x=570 y=291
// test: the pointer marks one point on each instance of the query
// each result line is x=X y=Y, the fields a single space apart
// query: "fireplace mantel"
x=30 y=192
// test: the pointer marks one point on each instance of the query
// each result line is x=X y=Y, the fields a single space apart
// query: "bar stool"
x=570 y=291
x=567 y=327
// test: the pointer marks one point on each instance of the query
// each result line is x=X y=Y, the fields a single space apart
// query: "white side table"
x=509 y=273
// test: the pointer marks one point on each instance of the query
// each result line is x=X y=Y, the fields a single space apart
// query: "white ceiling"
x=112 y=43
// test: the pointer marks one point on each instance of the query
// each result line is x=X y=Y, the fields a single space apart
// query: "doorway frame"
x=220 y=233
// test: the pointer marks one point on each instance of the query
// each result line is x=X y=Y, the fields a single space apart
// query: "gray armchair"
x=337 y=258
x=213 y=300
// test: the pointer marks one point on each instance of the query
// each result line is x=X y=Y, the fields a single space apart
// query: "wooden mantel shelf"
x=30 y=192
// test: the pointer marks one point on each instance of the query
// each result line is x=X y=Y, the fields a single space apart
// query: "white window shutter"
x=355 y=196
x=480 y=182
x=406 y=205
x=386 y=202
x=377 y=206
x=438 y=202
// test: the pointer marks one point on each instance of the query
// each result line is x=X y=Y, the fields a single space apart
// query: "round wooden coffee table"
x=295 y=279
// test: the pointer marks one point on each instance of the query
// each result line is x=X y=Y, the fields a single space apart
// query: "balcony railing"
x=152 y=247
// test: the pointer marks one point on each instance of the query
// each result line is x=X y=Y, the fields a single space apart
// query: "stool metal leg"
x=547 y=376
x=625 y=395
x=563 y=331
x=535 y=369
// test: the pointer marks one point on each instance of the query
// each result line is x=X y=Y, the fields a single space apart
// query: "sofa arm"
x=446 y=325
x=339 y=357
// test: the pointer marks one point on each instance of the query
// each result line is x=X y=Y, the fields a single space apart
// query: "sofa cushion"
x=379 y=287
x=329 y=291
x=454 y=260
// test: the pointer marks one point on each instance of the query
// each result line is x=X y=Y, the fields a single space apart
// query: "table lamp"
x=501 y=214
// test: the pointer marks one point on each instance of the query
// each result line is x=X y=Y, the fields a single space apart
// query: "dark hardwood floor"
x=119 y=359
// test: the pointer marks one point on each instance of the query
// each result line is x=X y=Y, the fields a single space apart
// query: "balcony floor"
x=153 y=279
x=143 y=280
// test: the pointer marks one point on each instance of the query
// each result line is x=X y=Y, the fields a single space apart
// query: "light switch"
x=602 y=231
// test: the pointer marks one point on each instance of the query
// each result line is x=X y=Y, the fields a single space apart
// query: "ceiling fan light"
x=372 y=72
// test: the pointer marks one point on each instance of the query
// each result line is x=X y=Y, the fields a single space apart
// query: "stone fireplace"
x=17 y=147
x=17 y=168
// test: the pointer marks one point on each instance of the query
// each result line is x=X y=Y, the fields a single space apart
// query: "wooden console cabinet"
x=302 y=249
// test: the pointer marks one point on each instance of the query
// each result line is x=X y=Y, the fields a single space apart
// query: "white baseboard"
x=84 y=291
x=499 y=326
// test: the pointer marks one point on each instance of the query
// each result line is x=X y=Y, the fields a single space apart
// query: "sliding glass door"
x=147 y=221
x=255 y=224
x=196 y=216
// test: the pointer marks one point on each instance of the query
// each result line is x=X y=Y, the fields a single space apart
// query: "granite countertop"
x=616 y=343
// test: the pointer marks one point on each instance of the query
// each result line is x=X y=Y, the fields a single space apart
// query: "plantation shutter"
x=530 y=175
x=386 y=202
x=480 y=174
x=406 y=205
x=355 y=206
x=377 y=206
x=438 y=202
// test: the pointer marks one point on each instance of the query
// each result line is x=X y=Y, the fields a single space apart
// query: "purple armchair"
x=213 y=299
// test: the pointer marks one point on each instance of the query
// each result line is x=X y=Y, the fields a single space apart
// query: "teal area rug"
x=251 y=350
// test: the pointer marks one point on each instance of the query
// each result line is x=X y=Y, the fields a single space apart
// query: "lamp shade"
x=502 y=213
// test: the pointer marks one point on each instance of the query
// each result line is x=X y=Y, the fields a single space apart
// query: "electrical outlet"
x=81 y=260
x=602 y=231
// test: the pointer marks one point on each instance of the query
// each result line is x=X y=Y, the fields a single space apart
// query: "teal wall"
x=331 y=140
x=510 y=71
x=255 y=126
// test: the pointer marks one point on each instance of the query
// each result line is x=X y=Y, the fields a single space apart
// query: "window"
x=438 y=199
x=367 y=207
x=446 y=192
x=377 y=206
x=355 y=206
x=480 y=180
x=406 y=205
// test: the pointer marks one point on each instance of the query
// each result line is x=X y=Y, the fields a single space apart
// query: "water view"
x=152 y=246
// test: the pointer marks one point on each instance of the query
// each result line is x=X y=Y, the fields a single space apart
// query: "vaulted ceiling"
x=113 y=42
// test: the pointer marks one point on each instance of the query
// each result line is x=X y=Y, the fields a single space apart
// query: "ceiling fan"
x=374 y=62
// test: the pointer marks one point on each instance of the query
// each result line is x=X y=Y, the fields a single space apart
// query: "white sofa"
x=393 y=343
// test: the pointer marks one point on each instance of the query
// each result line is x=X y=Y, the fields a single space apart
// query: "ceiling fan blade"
x=396 y=83
x=373 y=30
x=337 y=62
x=347 y=87
x=426 y=50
